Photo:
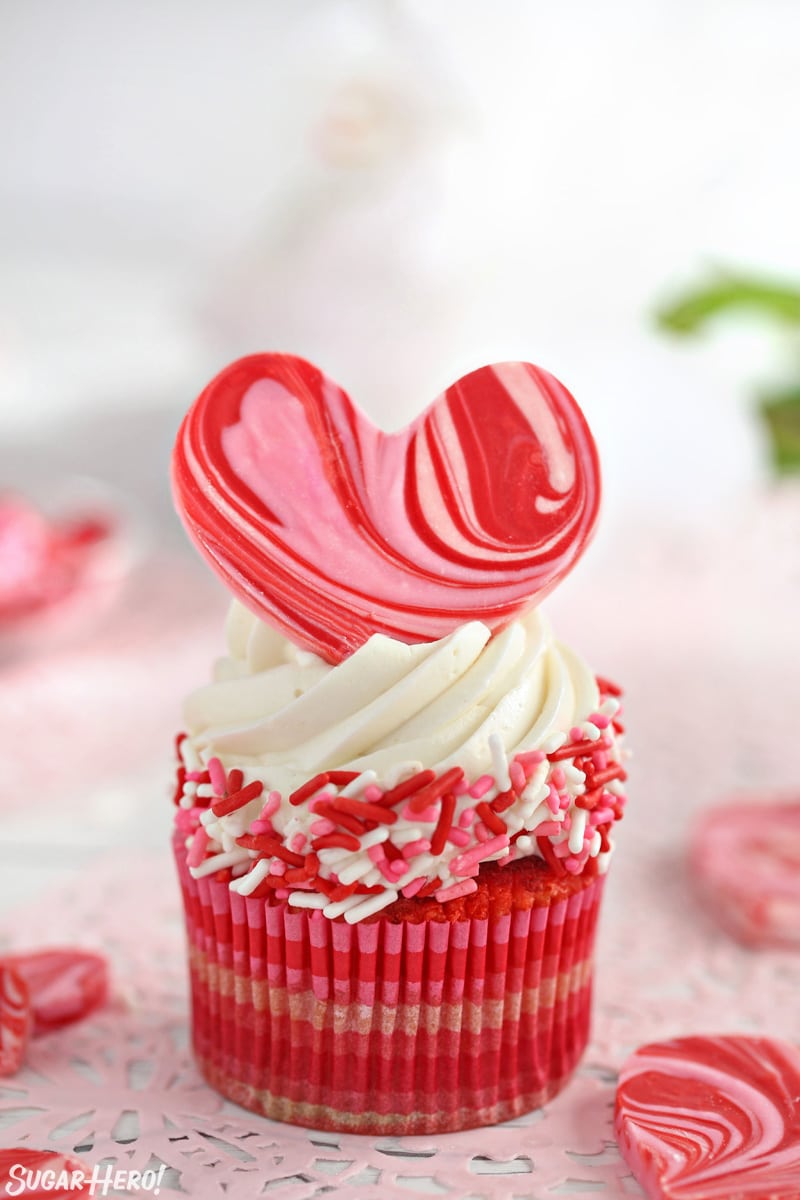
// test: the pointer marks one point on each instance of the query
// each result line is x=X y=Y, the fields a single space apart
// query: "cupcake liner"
x=387 y=1027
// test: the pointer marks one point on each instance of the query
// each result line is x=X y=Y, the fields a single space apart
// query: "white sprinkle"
x=370 y=905
x=356 y=786
x=572 y=773
x=577 y=830
x=375 y=837
x=186 y=802
x=499 y=762
x=207 y=817
x=595 y=844
x=189 y=756
x=250 y=882
x=590 y=731
x=205 y=791
x=542 y=813
x=337 y=907
x=218 y=861
x=228 y=840
x=603 y=860
x=554 y=742
x=333 y=855
x=241 y=867
x=534 y=794
x=616 y=788
x=355 y=870
x=190 y=788
x=373 y=878
x=307 y=900
x=524 y=844
x=403 y=836
x=610 y=707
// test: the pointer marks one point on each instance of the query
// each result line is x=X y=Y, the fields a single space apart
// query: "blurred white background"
x=399 y=191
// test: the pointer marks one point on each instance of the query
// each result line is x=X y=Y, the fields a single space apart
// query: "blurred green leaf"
x=781 y=413
x=730 y=293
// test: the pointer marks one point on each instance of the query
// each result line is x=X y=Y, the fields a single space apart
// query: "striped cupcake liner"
x=382 y=1027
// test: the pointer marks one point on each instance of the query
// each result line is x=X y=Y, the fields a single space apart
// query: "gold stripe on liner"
x=456 y=1016
x=485 y=1111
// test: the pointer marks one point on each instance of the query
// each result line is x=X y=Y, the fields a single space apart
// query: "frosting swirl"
x=477 y=729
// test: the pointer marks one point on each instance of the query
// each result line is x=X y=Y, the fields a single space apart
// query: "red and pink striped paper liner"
x=387 y=1027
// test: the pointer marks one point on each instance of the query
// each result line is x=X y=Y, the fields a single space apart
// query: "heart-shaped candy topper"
x=333 y=531
x=712 y=1118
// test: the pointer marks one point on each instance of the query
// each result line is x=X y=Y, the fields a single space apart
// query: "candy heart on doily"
x=15 y=1020
x=333 y=530
x=43 y=1174
x=746 y=862
x=712 y=1118
x=64 y=985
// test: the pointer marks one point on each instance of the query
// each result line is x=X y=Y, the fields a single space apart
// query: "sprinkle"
x=329 y=813
x=369 y=906
x=297 y=843
x=517 y=775
x=216 y=773
x=458 y=837
x=235 y=779
x=272 y=806
x=343 y=778
x=466 y=818
x=337 y=907
x=553 y=742
x=270 y=846
x=490 y=819
x=572 y=750
x=403 y=790
x=321 y=827
x=547 y=829
x=276 y=866
x=530 y=758
x=577 y=831
x=218 y=862
x=336 y=841
x=605 y=685
x=428 y=816
x=573 y=865
x=464 y=888
x=524 y=844
x=376 y=854
x=412 y=888
x=197 y=849
x=601 y=720
x=420 y=846
x=309 y=788
x=546 y=851
x=364 y=810
x=601 y=778
x=356 y=785
x=307 y=900
x=430 y=887
x=248 y=883
x=504 y=800
x=237 y=799
x=481 y=832
x=373 y=794
x=426 y=797
x=558 y=778
x=481 y=786
x=553 y=800
x=462 y=864
x=442 y=829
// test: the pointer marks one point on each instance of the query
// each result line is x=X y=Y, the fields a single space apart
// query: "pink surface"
x=453 y=518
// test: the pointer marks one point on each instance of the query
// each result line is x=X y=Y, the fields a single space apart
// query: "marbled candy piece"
x=64 y=985
x=15 y=1020
x=746 y=861
x=44 y=1175
x=332 y=530
x=712 y=1118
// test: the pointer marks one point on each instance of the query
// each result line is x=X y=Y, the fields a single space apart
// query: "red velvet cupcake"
x=395 y=798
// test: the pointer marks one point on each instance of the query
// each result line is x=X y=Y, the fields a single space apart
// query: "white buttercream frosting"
x=475 y=705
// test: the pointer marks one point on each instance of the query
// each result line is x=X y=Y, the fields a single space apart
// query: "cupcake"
x=394 y=801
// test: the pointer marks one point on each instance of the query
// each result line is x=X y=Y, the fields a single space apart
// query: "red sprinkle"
x=363 y=810
x=601 y=778
x=442 y=829
x=235 y=779
x=490 y=818
x=325 y=809
x=430 y=887
x=606 y=686
x=407 y=788
x=549 y=855
x=230 y=803
x=436 y=789
x=267 y=845
x=572 y=750
x=501 y=802
x=392 y=853
x=342 y=778
x=342 y=891
x=181 y=780
x=335 y=841
x=309 y=787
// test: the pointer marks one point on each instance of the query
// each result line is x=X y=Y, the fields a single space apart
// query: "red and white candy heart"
x=712 y=1118
x=746 y=861
x=332 y=530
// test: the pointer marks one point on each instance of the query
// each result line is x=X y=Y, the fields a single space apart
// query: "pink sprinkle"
x=372 y=793
x=481 y=787
x=462 y=864
x=297 y=843
x=553 y=800
x=517 y=776
x=277 y=867
x=530 y=758
x=573 y=865
x=398 y=868
x=561 y=849
x=564 y=802
x=429 y=817
x=576 y=734
x=481 y=832
x=547 y=829
x=464 y=888
x=600 y=760
x=458 y=837
x=197 y=850
x=600 y=720
x=272 y=805
x=216 y=773
x=466 y=818
x=506 y=859
x=261 y=827
x=420 y=846
x=412 y=888
x=458 y=789
x=377 y=854
x=322 y=826
x=196 y=776
x=320 y=798
x=281 y=893
x=385 y=868
x=599 y=816
x=558 y=778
